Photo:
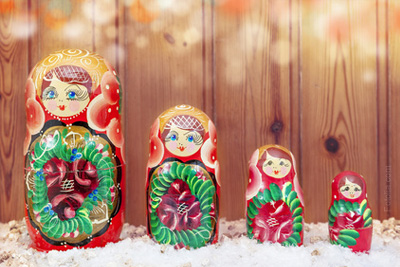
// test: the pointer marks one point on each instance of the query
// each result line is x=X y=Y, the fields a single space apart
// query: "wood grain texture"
x=393 y=181
x=61 y=25
x=256 y=72
x=339 y=100
x=169 y=62
x=13 y=70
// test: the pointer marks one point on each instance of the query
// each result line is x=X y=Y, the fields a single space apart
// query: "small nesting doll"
x=275 y=208
x=350 y=217
x=74 y=162
x=183 y=179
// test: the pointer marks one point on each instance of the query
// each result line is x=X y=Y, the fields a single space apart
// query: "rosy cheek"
x=74 y=106
x=357 y=194
x=268 y=170
x=346 y=194
x=191 y=147
x=283 y=170
x=51 y=105
x=172 y=145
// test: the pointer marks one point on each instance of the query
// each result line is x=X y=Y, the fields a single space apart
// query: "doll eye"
x=357 y=189
x=51 y=94
x=346 y=188
x=190 y=138
x=71 y=95
x=281 y=163
x=173 y=137
x=269 y=163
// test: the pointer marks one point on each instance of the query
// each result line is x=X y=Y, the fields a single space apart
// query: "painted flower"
x=103 y=110
x=179 y=209
x=156 y=146
x=69 y=183
x=273 y=223
x=349 y=220
x=34 y=112
x=209 y=148
x=254 y=182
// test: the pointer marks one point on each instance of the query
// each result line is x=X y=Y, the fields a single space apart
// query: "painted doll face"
x=63 y=99
x=350 y=190
x=276 y=167
x=183 y=143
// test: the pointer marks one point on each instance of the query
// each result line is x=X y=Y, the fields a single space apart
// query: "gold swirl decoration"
x=91 y=62
x=183 y=110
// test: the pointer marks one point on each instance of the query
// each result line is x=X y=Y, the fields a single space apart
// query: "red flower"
x=69 y=184
x=179 y=209
x=273 y=223
x=349 y=220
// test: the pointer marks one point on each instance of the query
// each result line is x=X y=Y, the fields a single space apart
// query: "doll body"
x=74 y=166
x=350 y=217
x=182 y=186
x=275 y=208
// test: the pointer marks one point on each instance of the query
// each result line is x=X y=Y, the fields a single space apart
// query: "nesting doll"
x=275 y=208
x=350 y=217
x=74 y=152
x=183 y=179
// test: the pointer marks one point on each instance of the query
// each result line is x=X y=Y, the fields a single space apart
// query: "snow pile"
x=234 y=249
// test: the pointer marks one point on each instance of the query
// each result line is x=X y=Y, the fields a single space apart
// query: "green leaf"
x=267 y=195
x=276 y=192
x=350 y=232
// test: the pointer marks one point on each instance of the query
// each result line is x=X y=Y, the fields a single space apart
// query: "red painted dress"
x=275 y=208
x=74 y=161
x=350 y=217
x=182 y=185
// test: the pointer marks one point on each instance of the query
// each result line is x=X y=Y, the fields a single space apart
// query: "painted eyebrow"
x=74 y=86
x=191 y=132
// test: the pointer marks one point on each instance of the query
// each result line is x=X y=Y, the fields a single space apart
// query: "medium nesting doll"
x=275 y=208
x=183 y=179
x=350 y=217
x=74 y=162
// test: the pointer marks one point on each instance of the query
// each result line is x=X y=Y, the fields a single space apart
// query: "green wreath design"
x=347 y=237
x=274 y=193
x=52 y=225
x=203 y=190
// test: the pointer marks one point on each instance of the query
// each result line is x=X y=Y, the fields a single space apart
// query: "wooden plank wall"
x=318 y=77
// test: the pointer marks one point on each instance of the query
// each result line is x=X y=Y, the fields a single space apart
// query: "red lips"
x=181 y=148
x=276 y=172
x=61 y=107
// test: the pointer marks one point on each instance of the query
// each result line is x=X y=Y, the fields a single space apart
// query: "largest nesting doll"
x=183 y=179
x=350 y=217
x=275 y=208
x=74 y=162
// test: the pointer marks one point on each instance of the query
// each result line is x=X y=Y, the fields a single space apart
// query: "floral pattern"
x=349 y=220
x=179 y=209
x=273 y=223
x=69 y=183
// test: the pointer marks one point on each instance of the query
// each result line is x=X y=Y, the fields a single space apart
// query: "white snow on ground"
x=234 y=249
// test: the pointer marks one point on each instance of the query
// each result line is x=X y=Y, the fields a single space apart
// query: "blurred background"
x=319 y=77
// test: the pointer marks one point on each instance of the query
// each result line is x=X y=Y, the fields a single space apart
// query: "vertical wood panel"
x=339 y=99
x=13 y=67
x=61 y=25
x=169 y=62
x=393 y=196
x=256 y=74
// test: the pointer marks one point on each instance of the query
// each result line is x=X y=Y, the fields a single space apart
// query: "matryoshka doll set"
x=275 y=208
x=75 y=173
x=350 y=217
x=182 y=187
x=74 y=145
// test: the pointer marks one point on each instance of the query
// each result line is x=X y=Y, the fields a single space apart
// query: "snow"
x=234 y=249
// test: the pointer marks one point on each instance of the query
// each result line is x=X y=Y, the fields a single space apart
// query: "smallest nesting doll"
x=350 y=217
x=275 y=208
